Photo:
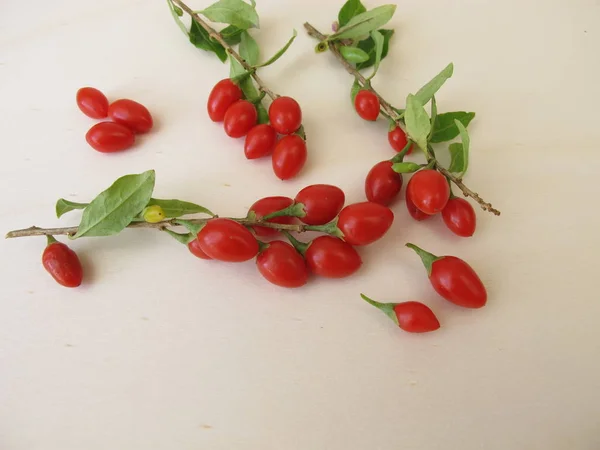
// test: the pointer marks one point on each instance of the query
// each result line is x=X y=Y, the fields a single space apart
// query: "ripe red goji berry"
x=289 y=156
x=62 y=263
x=285 y=115
x=227 y=240
x=398 y=140
x=280 y=264
x=382 y=184
x=224 y=94
x=239 y=119
x=453 y=279
x=270 y=205
x=331 y=257
x=429 y=191
x=260 y=141
x=321 y=203
x=92 y=102
x=414 y=317
x=110 y=137
x=365 y=222
x=133 y=115
x=367 y=104
x=459 y=216
x=196 y=250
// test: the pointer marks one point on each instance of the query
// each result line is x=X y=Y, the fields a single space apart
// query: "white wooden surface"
x=161 y=351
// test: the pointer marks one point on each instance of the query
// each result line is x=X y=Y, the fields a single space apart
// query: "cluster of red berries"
x=127 y=118
x=320 y=207
x=428 y=191
x=288 y=153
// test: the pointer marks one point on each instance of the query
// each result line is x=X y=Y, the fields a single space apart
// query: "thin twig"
x=217 y=37
x=390 y=111
x=70 y=231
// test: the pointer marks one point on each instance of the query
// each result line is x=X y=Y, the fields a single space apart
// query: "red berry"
x=269 y=205
x=221 y=97
x=109 y=137
x=240 y=118
x=429 y=191
x=397 y=139
x=133 y=115
x=92 y=102
x=282 y=265
x=322 y=203
x=453 y=279
x=382 y=184
x=415 y=212
x=364 y=223
x=415 y=317
x=194 y=248
x=260 y=141
x=63 y=264
x=289 y=156
x=367 y=105
x=226 y=240
x=332 y=258
x=285 y=115
x=459 y=216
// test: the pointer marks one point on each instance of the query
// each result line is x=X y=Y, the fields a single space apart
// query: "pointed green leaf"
x=63 y=206
x=177 y=208
x=249 y=49
x=368 y=45
x=263 y=115
x=433 y=117
x=379 y=41
x=350 y=9
x=417 y=122
x=426 y=92
x=354 y=90
x=175 y=13
x=280 y=53
x=112 y=210
x=405 y=167
x=362 y=24
x=353 y=54
x=231 y=34
x=457 y=159
x=200 y=38
x=232 y=12
x=184 y=239
x=192 y=227
x=236 y=69
x=445 y=128
x=466 y=142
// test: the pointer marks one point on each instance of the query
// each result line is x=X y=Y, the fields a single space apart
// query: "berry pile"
x=127 y=118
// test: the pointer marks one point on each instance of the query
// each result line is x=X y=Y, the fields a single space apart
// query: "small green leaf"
x=457 y=160
x=433 y=115
x=231 y=34
x=249 y=49
x=354 y=90
x=63 y=206
x=379 y=41
x=232 y=12
x=200 y=38
x=353 y=54
x=263 y=115
x=112 y=210
x=350 y=9
x=175 y=12
x=406 y=167
x=192 y=227
x=177 y=208
x=445 y=127
x=426 y=92
x=185 y=238
x=466 y=142
x=236 y=69
x=362 y=24
x=368 y=45
x=387 y=308
x=417 y=122
x=281 y=51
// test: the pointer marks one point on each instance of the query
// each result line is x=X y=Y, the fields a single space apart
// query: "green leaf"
x=280 y=53
x=175 y=13
x=461 y=155
x=200 y=38
x=354 y=90
x=236 y=69
x=249 y=49
x=364 y=23
x=185 y=238
x=445 y=128
x=379 y=41
x=368 y=45
x=177 y=208
x=231 y=34
x=457 y=160
x=426 y=92
x=232 y=12
x=350 y=9
x=263 y=115
x=63 y=206
x=417 y=122
x=353 y=54
x=112 y=210
x=405 y=167
x=433 y=117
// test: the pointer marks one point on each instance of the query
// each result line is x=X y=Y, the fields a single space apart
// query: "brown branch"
x=390 y=111
x=217 y=37
x=70 y=231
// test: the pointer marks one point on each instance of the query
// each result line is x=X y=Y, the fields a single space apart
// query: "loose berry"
x=62 y=264
x=92 y=102
x=110 y=137
x=459 y=216
x=133 y=115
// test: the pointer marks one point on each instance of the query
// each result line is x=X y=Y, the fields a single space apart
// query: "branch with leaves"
x=358 y=43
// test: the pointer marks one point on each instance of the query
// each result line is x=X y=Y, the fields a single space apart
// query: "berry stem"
x=217 y=37
x=389 y=111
